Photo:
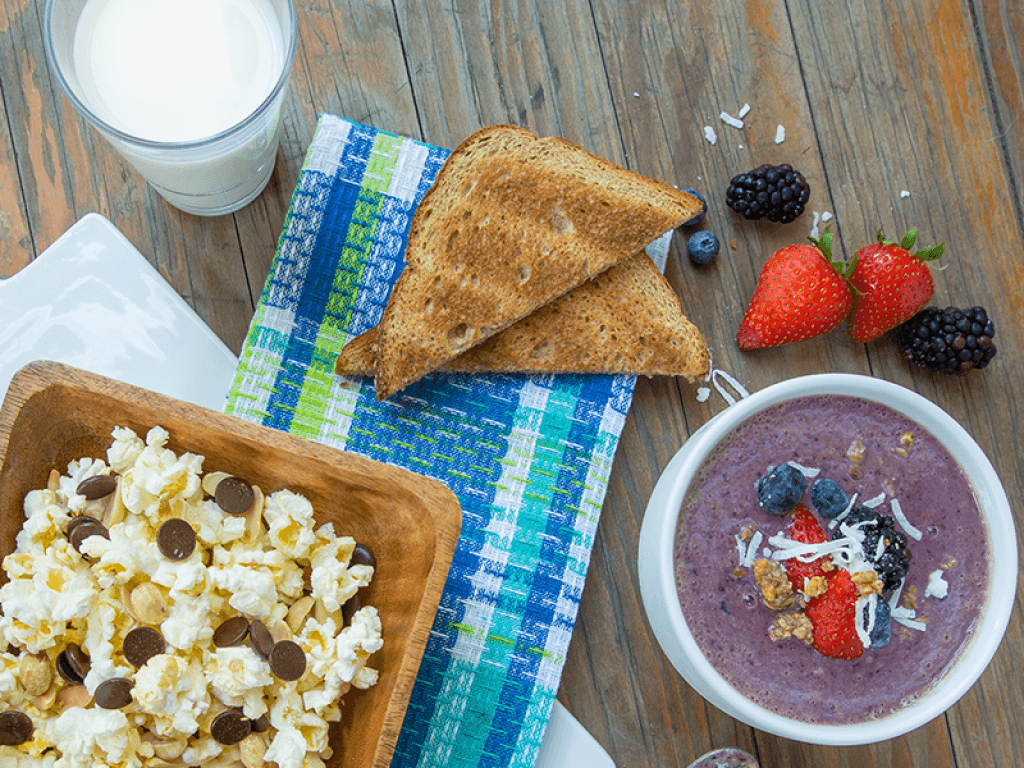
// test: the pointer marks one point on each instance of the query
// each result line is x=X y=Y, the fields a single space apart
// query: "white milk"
x=177 y=70
x=186 y=71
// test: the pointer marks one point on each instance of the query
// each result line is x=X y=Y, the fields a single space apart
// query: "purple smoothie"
x=722 y=605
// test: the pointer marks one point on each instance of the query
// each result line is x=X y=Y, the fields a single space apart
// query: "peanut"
x=35 y=673
x=252 y=750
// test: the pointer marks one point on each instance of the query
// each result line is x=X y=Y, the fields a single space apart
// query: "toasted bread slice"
x=511 y=222
x=625 y=320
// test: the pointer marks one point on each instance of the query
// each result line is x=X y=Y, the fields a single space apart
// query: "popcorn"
x=97 y=592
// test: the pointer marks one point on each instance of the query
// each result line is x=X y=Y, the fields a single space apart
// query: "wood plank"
x=938 y=146
x=1000 y=26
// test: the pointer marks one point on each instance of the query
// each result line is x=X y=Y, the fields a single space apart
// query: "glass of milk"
x=188 y=91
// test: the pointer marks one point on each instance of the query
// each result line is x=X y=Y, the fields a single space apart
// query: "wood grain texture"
x=877 y=97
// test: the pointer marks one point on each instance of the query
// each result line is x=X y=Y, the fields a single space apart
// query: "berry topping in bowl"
x=780 y=488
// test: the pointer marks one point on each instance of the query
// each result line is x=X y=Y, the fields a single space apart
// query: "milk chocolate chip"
x=231 y=632
x=261 y=724
x=230 y=726
x=260 y=638
x=114 y=693
x=142 y=644
x=288 y=660
x=15 y=728
x=363 y=555
x=96 y=487
x=234 y=495
x=73 y=664
x=176 y=539
x=82 y=531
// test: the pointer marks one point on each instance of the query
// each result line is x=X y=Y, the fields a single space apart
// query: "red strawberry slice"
x=891 y=285
x=801 y=293
x=806 y=529
x=833 y=616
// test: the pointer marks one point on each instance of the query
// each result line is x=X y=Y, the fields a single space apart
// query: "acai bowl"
x=752 y=641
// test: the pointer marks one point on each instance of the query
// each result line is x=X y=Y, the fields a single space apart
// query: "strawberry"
x=800 y=294
x=833 y=616
x=804 y=528
x=890 y=284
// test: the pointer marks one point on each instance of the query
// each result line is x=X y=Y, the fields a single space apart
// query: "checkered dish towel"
x=527 y=456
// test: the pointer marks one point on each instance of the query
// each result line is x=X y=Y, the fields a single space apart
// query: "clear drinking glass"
x=208 y=176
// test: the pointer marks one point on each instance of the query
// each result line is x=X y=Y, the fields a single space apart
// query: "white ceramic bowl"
x=657 y=573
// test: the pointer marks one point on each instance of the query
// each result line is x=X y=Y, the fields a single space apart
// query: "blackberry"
x=702 y=247
x=775 y=192
x=828 y=497
x=891 y=560
x=949 y=340
x=779 y=490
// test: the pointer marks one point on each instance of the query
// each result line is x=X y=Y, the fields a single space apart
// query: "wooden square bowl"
x=53 y=414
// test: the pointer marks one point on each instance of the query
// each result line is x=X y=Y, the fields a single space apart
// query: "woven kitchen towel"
x=528 y=457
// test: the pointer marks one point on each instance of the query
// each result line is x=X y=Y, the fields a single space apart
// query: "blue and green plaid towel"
x=528 y=456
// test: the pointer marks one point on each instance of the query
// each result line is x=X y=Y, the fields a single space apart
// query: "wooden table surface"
x=879 y=98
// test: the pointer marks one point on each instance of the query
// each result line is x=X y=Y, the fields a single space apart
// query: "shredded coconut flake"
x=937 y=586
x=744 y=110
x=897 y=512
x=875 y=502
x=865 y=620
x=805 y=471
x=780 y=134
x=703 y=393
x=710 y=135
x=826 y=216
x=731 y=381
x=905 y=193
x=814 y=226
x=728 y=119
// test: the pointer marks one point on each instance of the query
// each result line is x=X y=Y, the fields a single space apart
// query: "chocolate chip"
x=234 y=495
x=82 y=531
x=363 y=555
x=15 y=728
x=74 y=522
x=73 y=664
x=64 y=670
x=142 y=644
x=176 y=539
x=230 y=726
x=260 y=639
x=288 y=660
x=261 y=724
x=96 y=487
x=114 y=693
x=351 y=605
x=231 y=632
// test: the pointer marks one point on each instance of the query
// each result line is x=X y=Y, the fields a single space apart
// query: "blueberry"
x=781 y=489
x=702 y=247
x=828 y=497
x=703 y=208
x=881 y=633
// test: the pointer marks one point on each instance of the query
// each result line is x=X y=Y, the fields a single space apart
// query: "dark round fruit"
x=703 y=208
x=829 y=498
x=890 y=561
x=780 y=489
x=775 y=192
x=881 y=632
x=703 y=248
x=948 y=340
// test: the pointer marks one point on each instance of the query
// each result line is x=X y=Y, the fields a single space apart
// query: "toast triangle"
x=625 y=320
x=511 y=222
